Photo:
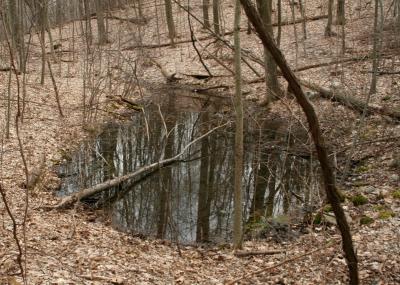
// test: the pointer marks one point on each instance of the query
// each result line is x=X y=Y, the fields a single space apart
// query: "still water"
x=192 y=200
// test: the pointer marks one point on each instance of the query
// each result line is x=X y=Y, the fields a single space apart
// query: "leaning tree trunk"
x=238 y=104
x=326 y=167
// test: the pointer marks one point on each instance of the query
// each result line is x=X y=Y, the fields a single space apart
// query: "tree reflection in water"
x=192 y=200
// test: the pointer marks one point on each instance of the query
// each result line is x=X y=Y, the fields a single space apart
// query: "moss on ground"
x=396 y=194
x=386 y=214
x=359 y=200
x=365 y=220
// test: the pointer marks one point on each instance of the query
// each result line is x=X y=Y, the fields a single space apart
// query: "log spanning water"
x=190 y=198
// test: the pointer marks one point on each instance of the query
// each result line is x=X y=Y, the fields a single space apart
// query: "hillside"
x=80 y=246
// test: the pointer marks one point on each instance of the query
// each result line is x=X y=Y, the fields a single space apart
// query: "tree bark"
x=271 y=78
x=206 y=17
x=376 y=47
x=15 y=26
x=170 y=21
x=88 y=25
x=340 y=14
x=216 y=21
x=238 y=104
x=303 y=16
x=101 y=28
x=328 y=29
x=279 y=23
x=327 y=171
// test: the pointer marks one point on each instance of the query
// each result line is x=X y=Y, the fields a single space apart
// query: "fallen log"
x=85 y=193
x=351 y=101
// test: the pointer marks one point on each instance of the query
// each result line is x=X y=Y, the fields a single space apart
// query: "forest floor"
x=78 y=247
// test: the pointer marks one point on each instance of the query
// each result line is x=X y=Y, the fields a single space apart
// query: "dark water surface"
x=192 y=200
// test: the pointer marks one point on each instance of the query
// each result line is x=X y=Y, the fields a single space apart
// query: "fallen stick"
x=242 y=253
x=85 y=193
x=115 y=280
x=382 y=72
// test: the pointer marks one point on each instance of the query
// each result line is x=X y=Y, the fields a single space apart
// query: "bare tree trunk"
x=397 y=12
x=206 y=17
x=376 y=47
x=238 y=172
x=55 y=88
x=303 y=16
x=101 y=29
x=88 y=25
x=9 y=96
x=296 y=42
x=41 y=22
x=279 y=32
x=340 y=14
x=312 y=119
x=22 y=51
x=328 y=28
x=271 y=78
x=170 y=20
x=16 y=29
x=216 y=17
